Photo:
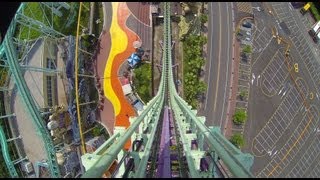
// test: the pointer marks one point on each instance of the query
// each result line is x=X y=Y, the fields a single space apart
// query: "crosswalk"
x=244 y=7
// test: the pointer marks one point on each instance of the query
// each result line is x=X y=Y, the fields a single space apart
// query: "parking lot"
x=306 y=161
x=275 y=73
x=279 y=121
x=288 y=152
x=282 y=130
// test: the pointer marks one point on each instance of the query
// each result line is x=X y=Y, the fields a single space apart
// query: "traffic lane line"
x=293 y=139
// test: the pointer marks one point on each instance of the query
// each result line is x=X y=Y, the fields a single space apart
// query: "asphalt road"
x=218 y=66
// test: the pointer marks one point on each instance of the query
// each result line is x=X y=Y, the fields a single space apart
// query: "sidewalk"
x=233 y=89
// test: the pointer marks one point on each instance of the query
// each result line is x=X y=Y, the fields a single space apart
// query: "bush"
x=243 y=94
x=142 y=81
x=314 y=11
x=96 y=131
x=247 y=49
x=237 y=140
x=193 y=60
x=240 y=116
x=203 y=18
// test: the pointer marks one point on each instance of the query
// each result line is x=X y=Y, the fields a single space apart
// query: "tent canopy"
x=133 y=59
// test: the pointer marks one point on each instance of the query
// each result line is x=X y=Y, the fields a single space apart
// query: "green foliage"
x=66 y=24
x=96 y=131
x=193 y=61
x=32 y=10
x=240 y=116
x=314 y=11
x=100 y=16
x=3 y=168
x=203 y=18
x=247 y=49
x=237 y=140
x=3 y=76
x=243 y=94
x=142 y=81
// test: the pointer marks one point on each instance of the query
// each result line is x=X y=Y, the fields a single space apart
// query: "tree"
x=193 y=7
x=202 y=87
x=237 y=140
x=240 y=116
x=203 y=18
x=142 y=81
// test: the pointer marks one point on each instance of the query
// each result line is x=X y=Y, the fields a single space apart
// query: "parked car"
x=247 y=25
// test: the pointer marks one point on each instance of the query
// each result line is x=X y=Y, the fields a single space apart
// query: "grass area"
x=142 y=81
x=65 y=24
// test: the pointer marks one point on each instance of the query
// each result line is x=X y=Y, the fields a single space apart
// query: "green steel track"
x=5 y=152
x=237 y=162
x=142 y=128
x=9 y=54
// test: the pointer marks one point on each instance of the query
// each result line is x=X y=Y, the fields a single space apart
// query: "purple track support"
x=164 y=162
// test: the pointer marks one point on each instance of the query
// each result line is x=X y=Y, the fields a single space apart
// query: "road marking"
x=258 y=80
x=296 y=68
x=283 y=94
x=281 y=90
x=219 y=56
x=228 y=59
x=253 y=77
x=270 y=151
x=311 y=95
x=275 y=153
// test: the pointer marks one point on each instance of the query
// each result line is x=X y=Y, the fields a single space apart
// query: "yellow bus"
x=305 y=8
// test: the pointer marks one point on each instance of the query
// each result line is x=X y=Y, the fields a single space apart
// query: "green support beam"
x=190 y=126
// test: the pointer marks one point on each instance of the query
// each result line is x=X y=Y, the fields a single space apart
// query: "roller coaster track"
x=6 y=155
x=10 y=56
x=191 y=128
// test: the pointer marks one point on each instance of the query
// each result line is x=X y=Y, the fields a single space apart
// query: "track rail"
x=6 y=154
x=190 y=128
x=9 y=50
